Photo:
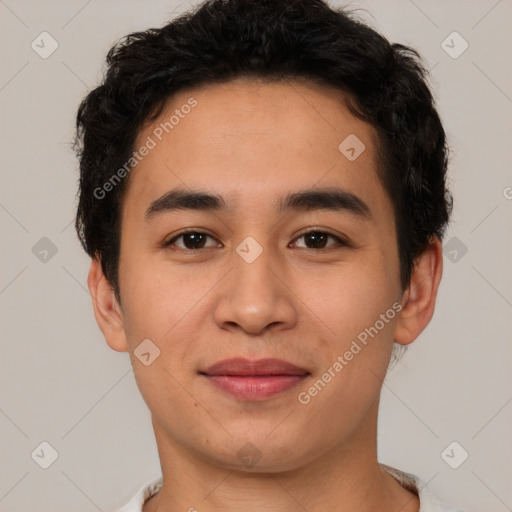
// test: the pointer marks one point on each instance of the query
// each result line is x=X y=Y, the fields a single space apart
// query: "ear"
x=106 y=308
x=419 y=298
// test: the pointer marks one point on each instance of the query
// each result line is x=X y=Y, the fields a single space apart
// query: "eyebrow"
x=333 y=199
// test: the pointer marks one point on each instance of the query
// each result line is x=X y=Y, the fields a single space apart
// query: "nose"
x=255 y=297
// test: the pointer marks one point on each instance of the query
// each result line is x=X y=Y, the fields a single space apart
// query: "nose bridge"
x=254 y=298
x=253 y=264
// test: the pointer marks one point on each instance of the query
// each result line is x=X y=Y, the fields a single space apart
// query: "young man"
x=262 y=194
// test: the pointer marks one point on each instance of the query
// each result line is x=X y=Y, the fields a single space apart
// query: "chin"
x=261 y=454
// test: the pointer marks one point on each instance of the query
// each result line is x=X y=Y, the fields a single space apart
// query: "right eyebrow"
x=179 y=199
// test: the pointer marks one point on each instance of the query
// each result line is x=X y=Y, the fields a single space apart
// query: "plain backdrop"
x=61 y=384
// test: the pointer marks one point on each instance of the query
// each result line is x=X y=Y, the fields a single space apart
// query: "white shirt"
x=428 y=502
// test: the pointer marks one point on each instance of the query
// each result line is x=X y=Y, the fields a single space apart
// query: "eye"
x=318 y=240
x=192 y=240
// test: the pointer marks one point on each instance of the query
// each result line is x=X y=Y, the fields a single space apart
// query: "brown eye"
x=191 y=240
x=319 y=240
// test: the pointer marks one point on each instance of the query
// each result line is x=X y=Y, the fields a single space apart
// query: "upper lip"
x=245 y=367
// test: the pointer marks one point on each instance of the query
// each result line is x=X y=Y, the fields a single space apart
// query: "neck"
x=345 y=479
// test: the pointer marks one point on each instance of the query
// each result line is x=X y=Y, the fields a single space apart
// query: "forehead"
x=248 y=138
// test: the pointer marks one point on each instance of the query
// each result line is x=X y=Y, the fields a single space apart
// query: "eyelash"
x=340 y=241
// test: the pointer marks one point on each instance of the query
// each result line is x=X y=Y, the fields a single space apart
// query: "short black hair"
x=275 y=40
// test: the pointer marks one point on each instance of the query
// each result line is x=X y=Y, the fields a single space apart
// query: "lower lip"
x=254 y=387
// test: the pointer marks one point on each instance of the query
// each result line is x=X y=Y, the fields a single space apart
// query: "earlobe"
x=106 y=308
x=419 y=298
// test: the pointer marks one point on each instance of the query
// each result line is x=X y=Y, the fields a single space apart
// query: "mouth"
x=254 y=380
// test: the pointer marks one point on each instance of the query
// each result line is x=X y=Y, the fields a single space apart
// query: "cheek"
x=357 y=305
x=354 y=359
x=352 y=299
x=157 y=295
x=162 y=304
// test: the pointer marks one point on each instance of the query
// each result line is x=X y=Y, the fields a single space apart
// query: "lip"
x=254 y=379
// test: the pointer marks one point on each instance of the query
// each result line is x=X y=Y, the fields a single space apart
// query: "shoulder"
x=142 y=495
x=428 y=502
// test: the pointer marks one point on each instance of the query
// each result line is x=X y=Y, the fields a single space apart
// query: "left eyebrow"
x=334 y=199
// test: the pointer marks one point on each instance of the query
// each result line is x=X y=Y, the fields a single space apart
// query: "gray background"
x=60 y=383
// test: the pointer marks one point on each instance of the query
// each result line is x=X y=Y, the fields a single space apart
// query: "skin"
x=252 y=142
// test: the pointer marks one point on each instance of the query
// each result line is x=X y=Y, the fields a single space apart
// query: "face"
x=290 y=254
